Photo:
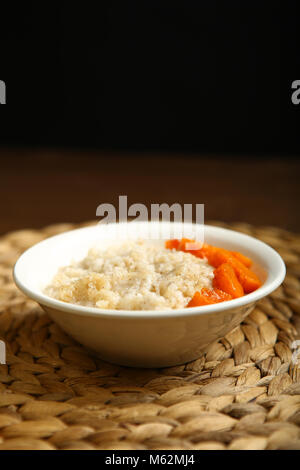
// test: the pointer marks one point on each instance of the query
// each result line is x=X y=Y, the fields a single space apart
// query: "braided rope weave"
x=244 y=393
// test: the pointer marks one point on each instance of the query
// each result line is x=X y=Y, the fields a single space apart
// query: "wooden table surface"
x=39 y=187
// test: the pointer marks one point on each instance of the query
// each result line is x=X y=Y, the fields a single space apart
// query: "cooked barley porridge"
x=132 y=276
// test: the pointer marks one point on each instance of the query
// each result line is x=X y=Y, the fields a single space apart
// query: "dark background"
x=163 y=101
x=195 y=75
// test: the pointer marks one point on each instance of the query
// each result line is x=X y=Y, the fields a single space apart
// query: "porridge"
x=133 y=276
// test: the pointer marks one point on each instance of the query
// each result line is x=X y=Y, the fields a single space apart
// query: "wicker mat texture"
x=244 y=393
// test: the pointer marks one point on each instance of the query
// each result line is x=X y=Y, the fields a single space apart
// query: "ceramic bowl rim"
x=268 y=286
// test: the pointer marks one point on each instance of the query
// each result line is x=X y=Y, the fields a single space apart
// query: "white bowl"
x=143 y=338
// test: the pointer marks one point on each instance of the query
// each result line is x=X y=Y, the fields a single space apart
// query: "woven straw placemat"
x=243 y=394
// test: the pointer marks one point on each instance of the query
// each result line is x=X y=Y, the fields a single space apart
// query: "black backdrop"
x=182 y=75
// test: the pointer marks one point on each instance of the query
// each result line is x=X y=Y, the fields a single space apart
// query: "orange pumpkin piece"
x=212 y=254
x=247 y=278
x=242 y=258
x=208 y=297
x=226 y=280
x=172 y=244
x=217 y=256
